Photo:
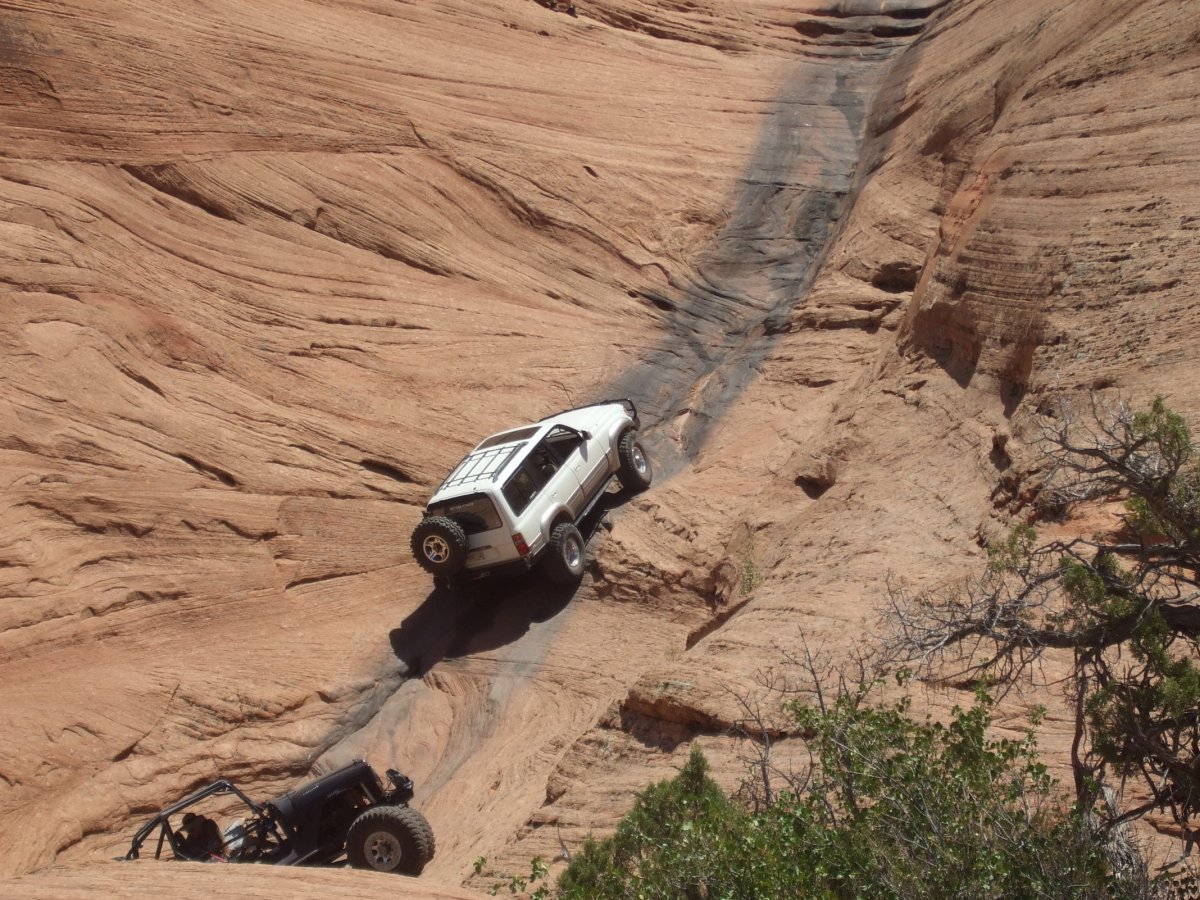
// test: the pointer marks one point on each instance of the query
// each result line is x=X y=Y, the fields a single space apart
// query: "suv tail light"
x=519 y=543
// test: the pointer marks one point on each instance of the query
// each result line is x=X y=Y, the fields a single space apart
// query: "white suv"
x=521 y=494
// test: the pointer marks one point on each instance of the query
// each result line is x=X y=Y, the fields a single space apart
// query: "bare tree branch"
x=1126 y=605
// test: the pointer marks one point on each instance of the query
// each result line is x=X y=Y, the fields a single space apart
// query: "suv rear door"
x=488 y=540
x=585 y=459
x=542 y=473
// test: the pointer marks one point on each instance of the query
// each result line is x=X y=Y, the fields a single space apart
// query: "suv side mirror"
x=586 y=435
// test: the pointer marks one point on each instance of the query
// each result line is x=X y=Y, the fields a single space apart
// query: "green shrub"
x=894 y=808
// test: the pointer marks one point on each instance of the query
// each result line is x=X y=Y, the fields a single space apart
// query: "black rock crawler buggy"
x=346 y=815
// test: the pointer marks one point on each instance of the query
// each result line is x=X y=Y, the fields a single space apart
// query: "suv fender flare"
x=553 y=517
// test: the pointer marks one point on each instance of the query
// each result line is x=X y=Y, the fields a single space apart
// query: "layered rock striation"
x=270 y=270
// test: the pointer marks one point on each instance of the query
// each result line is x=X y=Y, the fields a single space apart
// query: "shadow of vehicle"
x=488 y=613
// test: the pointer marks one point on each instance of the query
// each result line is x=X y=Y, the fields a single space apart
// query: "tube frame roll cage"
x=168 y=835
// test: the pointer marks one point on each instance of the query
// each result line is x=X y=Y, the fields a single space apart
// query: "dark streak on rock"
x=387 y=470
x=142 y=380
x=301 y=582
x=714 y=623
x=247 y=533
x=167 y=179
x=208 y=469
x=372 y=323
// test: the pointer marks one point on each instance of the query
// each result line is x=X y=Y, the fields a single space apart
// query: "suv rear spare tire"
x=440 y=545
x=634 y=471
x=390 y=839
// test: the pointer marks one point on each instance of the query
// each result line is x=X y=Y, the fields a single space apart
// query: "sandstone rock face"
x=148 y=880
x=271 y=268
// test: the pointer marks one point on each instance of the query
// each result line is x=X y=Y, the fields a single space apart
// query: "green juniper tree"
x=1125 y=607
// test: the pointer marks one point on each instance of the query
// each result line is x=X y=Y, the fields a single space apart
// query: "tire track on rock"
x=491 y=714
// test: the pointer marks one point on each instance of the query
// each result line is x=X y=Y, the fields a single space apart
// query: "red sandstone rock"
x=271 y=268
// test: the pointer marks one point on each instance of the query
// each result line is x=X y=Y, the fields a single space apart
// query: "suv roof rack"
x=482 y=465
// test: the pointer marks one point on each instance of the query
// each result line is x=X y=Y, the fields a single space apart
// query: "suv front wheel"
x=440 y=545
x=634 y=471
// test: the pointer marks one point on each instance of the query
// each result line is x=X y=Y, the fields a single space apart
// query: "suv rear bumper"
x=465 y=576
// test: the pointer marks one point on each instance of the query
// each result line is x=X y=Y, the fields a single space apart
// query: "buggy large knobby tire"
x=440 y=545
x=390 y=839
x=635 y=472
x=565 y=556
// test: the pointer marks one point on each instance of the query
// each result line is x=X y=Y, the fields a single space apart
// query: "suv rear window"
x=475 y=513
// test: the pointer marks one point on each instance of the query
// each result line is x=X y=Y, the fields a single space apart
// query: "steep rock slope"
x=274 y=269
x=1021 y=229
x=270 y=270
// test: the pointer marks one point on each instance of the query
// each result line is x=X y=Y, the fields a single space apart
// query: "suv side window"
x=564 y=441
x=521 y=488
x=543 y=463
x=534 y=474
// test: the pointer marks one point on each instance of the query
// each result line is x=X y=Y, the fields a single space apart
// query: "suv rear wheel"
x=390 y=839
x=440 y=545
x=634 y=471
x=566 y=555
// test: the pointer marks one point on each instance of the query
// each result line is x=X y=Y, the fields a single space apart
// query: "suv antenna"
x=570 y=399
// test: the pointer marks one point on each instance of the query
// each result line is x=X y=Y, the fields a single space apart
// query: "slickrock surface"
x=199 y=882
x=269 y=269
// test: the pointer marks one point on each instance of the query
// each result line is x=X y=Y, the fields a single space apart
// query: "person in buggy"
x=201 y=838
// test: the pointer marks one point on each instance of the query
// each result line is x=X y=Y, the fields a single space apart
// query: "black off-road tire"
x=566 y=555
x=390 y=839
x=634 y=472
x=440 y=545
